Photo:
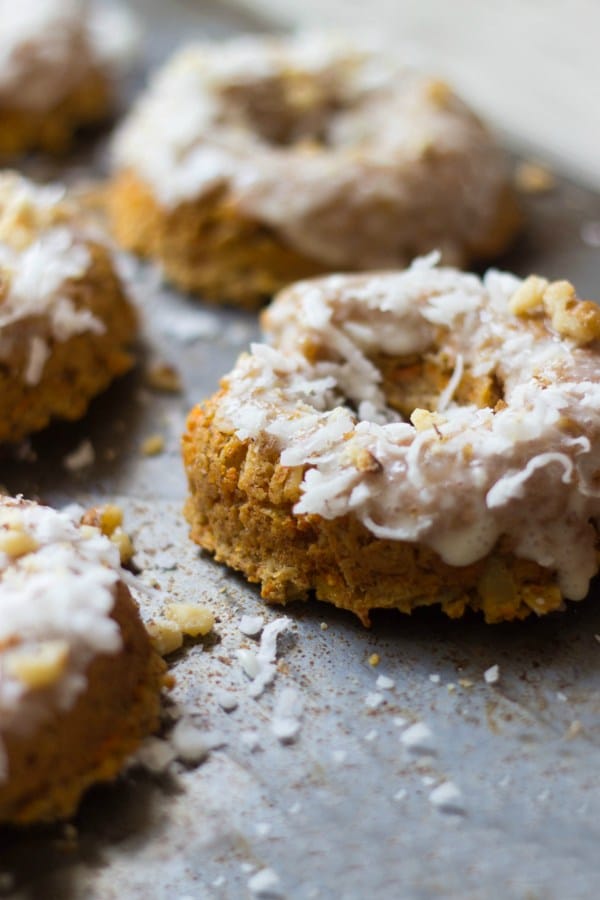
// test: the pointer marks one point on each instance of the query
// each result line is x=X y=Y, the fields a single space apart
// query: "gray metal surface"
x=344 y=811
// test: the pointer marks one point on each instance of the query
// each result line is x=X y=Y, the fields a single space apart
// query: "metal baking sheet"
x=343 y=812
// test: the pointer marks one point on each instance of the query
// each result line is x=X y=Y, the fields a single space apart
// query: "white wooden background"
x=531 y=67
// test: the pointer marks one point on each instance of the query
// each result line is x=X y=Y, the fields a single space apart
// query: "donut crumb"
x=153 y=445
x=164 y=377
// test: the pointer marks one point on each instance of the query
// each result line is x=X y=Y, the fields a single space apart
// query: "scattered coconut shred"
x=260 y=666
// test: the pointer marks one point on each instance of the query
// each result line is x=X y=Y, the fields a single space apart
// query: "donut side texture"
x=207 y=246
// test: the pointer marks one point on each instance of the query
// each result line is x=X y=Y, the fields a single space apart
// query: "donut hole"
x=418 y=382
x=294 y=108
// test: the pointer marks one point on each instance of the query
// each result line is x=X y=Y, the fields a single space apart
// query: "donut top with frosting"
x=310 y=136
x=57 y=584
x=48 y=46
x=41 y=249
x=460 y=477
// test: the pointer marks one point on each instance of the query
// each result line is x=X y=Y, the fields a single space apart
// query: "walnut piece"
x=192 y=620
x=38 y=667
x=165 y=635
x=528 y=297
x=578 y=320
x=423 y=419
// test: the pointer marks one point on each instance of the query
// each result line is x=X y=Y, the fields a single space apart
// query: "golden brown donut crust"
x=205 y=246
x=240 y=509
x=52 y=767
x=78 y=368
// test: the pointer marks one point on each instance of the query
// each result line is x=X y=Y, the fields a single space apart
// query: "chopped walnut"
x=16 y=542
x=529 y=296
x=122 y=540
x=164 y=377
x=165 y=635
x=38 y=667
x=153 y=445
x=192 y=620
x=108 y=520
x=363 y=460
x=423 y=419
x=578 y=320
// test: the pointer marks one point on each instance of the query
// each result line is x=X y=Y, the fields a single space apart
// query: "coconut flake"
x=287 y=715
x=82 y=457
x=419 y=739
x=265 y=884
x=251 y=626
x=260 y=666
x=447 y=797
x=373 y=700
x=492 y=675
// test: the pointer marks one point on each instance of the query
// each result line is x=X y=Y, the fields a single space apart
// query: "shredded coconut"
x=492 y=675
x=447 y=797
x=373 y=700
x=260 y=666
x=418 y=738
x=251 y=626
x=287 y=715
x=82 y=457
x=265 y=884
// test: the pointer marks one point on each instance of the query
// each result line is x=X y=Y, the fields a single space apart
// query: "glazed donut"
x=65 y=324
x=58 y=59
x=79 y=681
x=411 y=438
x=250 y=164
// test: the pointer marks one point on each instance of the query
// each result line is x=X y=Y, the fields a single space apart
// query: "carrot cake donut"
x=411 y=438
x=250 y=164
x=65 y=324
x=58 y=59
x=79 y=681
